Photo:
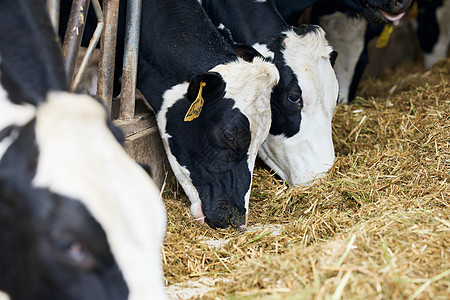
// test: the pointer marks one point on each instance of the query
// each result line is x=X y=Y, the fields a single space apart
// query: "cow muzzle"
x=226 y=215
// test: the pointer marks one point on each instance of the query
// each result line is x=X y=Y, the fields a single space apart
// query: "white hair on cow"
x=182 y=174
x=80 y=158
x=309 y=153
x=4 y=296
x=244 y=81
x=264 y=50
x=309 y=46
x=241 y=85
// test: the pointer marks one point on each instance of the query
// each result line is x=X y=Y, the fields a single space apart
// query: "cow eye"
x=296 y=99
x=75 y=252
x=228 y=135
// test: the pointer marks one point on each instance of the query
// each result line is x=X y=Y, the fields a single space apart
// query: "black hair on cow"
x=333 y=56
x=214 y=88
x=246 y=52
x=306 y=28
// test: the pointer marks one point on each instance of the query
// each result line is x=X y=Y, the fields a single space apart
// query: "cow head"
x=80 y=218
x=380 y=11
x=213 y=154
x=299 y=146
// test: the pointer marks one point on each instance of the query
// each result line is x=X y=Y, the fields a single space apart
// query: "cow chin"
x=380 y=11
x=298 y=163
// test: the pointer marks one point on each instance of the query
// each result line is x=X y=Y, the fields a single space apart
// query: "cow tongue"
x=392 y=18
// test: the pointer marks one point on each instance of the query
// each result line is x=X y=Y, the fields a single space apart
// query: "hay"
x=377 y=227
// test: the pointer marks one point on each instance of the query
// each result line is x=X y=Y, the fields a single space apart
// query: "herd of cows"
x=227 y=80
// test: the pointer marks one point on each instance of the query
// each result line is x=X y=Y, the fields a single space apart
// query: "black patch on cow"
x=56 y=249
x=428 y=27
x=286 y=99
x=7 y=131
x=30 y=66
x=291 y=10
x=333 y=57
x=246 y=52
x=214 y=148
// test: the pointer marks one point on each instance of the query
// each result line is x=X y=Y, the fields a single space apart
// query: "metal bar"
x=92 y=44
x=53 y=8
x=128 y=89
x=107 y=53
x=74 y=34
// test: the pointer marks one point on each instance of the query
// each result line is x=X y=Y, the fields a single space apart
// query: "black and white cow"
x=299 y=146
x=347 y=32
x=374 y=11
x=433 y=30
x=181 y=57
x=78 y=218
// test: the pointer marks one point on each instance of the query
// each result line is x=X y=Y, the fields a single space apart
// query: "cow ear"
x=246 y=52
x=333 y=56
x=208 y=85
x=203 y=88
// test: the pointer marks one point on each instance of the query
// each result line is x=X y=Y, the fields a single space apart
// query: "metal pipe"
x=53 y=8
x=74 y=34
x=128 y=89
x=107 y=53
x=92 y=44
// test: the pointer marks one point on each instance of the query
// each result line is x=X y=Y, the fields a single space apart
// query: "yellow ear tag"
x=196 y=107
x=383 y=39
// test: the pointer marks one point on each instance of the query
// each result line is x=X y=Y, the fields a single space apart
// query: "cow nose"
x=225 y=216
x=400 y=6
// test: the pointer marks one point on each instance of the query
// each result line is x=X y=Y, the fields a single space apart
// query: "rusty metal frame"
x=130 y=60
x=107 y=21
x=108 y=53
x=74 y=35
x=53 y=8
x=92 y=44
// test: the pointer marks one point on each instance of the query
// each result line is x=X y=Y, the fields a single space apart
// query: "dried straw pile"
x=377 y=228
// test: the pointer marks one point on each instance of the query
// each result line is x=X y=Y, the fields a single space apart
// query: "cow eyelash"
x=295 y=99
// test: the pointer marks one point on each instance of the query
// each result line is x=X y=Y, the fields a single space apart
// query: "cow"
x=183 y=61
x=211 y=143
x=433 y=30
x=79 y=219
x=347 y=32
x=299 y=147
x=374 y=11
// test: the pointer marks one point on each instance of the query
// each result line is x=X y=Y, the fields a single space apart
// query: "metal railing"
x=106 y=32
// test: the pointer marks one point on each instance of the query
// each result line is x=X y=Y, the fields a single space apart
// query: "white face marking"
x=250 y=85
x=307 y=154
x=182 y=174
x=441 y=47
x=4 y=296
x=260 y=0
x=80 y=158
x=264 y=50
x=346 y=35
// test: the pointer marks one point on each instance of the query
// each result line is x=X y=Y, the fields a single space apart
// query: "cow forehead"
x=80 y=158
x=308 y=57
x=250 y=86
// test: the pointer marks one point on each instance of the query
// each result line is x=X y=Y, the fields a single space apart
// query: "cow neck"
x=260 y=22
x=177 y=42
x=27 y=74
